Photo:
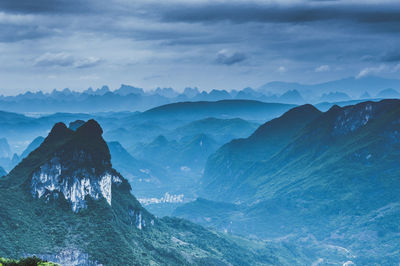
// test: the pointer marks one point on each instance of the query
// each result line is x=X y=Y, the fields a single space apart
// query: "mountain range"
x=66 y=203
x=305 y=183
x=354 y=87
x=327 y=180
x=130 y=98
x=191 y=138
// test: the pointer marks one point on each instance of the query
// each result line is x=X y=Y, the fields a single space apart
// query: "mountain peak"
x=296 y=117
x=161 y=140
x=334 y=108
x=58 y=132
x=304 y=109
x=77 y=167
x=91 y=129
x=58 y=128
x=76 y=124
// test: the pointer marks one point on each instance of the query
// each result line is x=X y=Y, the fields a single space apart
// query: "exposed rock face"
x=72 y=257
x=78 y=169
x=352 y=119
x=51 y=179
x=138 y=220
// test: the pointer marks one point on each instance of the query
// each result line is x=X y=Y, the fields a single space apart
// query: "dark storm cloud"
x=14 y=33
x=270 y=13
x=99 y=16
x=226 y=58
x=255 y=36
x=48 y=6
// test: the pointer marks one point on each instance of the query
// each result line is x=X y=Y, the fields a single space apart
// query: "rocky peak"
x=90 y=129
x=349 y=119
x=78 y=168
x=76 y=124
x=59 y=132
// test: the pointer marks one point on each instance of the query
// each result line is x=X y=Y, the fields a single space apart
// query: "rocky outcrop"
x=71 y=257
x=353 y=118
x=79 y=168
x=51 y=181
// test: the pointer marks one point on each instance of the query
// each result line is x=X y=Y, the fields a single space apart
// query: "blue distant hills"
x=130 y=98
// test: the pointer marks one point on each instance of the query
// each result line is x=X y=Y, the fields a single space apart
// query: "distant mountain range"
x=352 y=86
x=129 y=98
x=322 y=178
x=245 y=109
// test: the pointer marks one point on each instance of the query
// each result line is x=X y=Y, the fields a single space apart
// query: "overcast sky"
x=46 y=44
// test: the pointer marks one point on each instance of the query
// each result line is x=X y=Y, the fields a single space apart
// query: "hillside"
x=332 y=178
x=245 y=109
x=222 y=130
x=223 y=169
x=65 y=202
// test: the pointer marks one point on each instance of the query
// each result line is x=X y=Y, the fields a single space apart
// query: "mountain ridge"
x=335 y=179
x=100 y=228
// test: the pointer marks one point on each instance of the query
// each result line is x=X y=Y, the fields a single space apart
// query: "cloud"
x=48 y=6
x=10 y=33
x=63 y=59
x=89 y=77
x=323 y=68
x=370 y=71
x=55 y=59
x=150 y=37
x=88 y=62
x=391 y=57
x=16 y=19
x=282 y=69
x=270 y=11
x=226 y=58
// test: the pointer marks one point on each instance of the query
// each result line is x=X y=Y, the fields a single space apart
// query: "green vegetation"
x=332 y=179
x=30 y=261
x=121 y=234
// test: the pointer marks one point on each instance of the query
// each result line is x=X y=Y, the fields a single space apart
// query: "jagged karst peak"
x=59 y=131
x=334 y=108
x=91 y=129
x=80 y=167
x=76 y=124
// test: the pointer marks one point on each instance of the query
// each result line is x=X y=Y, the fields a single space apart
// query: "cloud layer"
x=209 y=44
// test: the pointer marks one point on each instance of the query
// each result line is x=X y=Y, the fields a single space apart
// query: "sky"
x=209 y=44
